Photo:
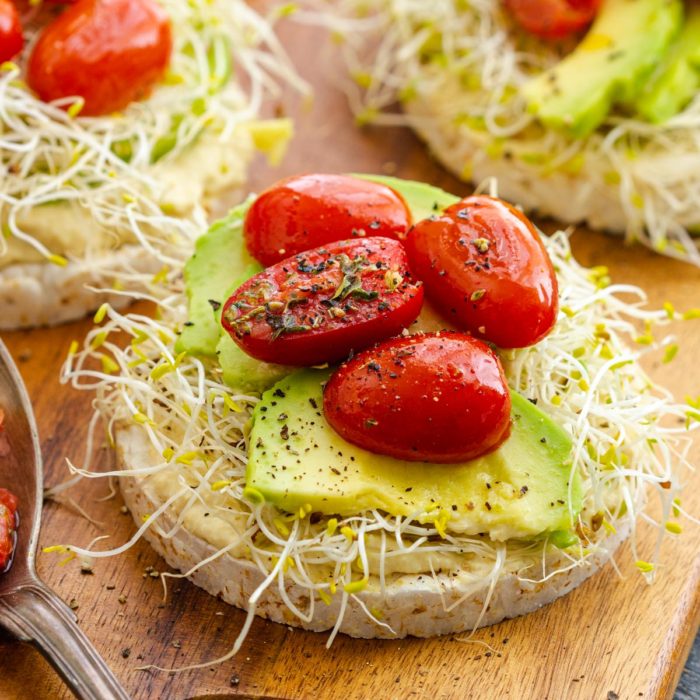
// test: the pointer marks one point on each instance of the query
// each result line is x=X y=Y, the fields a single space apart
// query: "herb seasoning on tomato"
x=439 y=397
x=485 y=269
x=307 y=211
x=109 y=52
x=320 y=305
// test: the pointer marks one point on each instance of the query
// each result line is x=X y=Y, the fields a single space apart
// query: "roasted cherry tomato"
x=553 y=19
x=440 y=397
x=320 y=305
x=11 y=39
x=109 y=52
x=306 y=211
x=8 y=525
x=485 y=268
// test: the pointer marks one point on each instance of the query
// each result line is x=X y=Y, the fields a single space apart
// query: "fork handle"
x=36 y=614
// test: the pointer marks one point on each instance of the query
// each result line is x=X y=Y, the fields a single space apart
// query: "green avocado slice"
x=423 y=200
x=220 y=257
x=676 y=81
x=522 y=490
x=626 y=42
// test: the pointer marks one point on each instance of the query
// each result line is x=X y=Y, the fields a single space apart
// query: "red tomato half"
x=485 y=268
x=440 y=397
x=320 y=305
x=307 y=211
x=553 y=19
x=109 y=52
x=11 y=39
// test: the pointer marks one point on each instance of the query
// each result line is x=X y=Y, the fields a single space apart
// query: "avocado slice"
x=626 y=42
x=220 y=256
x=522 y=490
x=243 y=372
x=423 y=200
x=676 y=81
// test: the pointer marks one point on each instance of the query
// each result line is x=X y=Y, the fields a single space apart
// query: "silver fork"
x=28 y=608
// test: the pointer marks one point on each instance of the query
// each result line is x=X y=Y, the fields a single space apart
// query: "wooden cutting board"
x=610 y=638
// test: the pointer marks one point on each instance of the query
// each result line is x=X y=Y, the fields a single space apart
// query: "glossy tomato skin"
x=109 y=52
x=553 y=19
x=11 y=39
x=438 y=397
x=320 y=305
x=307 y=211
x=486 y=269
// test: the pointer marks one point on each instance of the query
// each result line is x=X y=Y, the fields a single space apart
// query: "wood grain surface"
x=611 y=638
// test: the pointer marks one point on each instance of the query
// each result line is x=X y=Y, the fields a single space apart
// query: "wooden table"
x=609 y=638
